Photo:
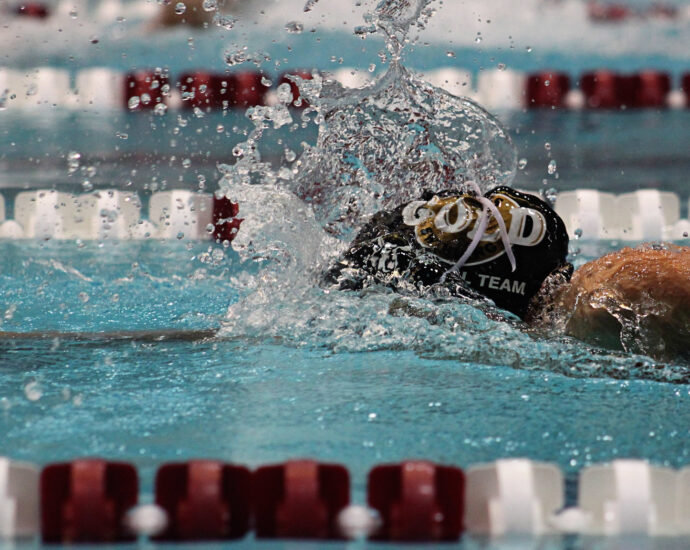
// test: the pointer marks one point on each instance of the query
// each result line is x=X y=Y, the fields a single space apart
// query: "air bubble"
x=180 y=8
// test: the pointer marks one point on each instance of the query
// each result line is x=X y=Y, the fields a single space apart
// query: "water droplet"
x=186 y=163
x=547 y=146
x=290 y=155
x=501 y=66
x=210 y=228
x=121 y=135
x=73 y=13
x=209 y=5
x=180 y=236
x=160 y=109
x=180 y=8
x=685 y=234
x=522 y=164
x=73 y=159
x=529 y=49
x=83 y=297
x=225 y=21
x=33 y=391
x=578 y=233
x=220 y=128
x=94 y=39
x=478 y=39
x=133 y=102
x=294 y=27
x=372 y=67
x=235 y=58
x=551 y=195
x=87 y=186
x=552 y=167
x=450 y=53
x=309 y=5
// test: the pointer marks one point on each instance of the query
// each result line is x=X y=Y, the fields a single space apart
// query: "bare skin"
x=637 y=299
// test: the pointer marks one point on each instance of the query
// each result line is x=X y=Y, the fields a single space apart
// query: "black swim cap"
x=424 y=240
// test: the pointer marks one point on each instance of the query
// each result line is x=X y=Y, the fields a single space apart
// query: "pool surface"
x=417 y=388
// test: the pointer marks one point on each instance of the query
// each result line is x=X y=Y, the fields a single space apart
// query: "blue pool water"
x=295 y=371
x=455 y=396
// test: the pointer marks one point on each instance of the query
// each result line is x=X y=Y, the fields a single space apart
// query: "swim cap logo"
x=446 y=225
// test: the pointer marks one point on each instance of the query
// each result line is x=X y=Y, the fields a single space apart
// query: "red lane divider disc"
x=601 y=89
x=204 y=499
x=547 y=89
x=199 y=89
x=652 y=89
x=297 y=100
x=86 y=500
x=145 y=89
x=300 y=499
x=417 y=501
x=246 y=89
x=608 y=12
x=226 y=224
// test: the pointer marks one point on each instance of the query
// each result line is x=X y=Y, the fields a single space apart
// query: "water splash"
x=377 y=147
x=385 y=144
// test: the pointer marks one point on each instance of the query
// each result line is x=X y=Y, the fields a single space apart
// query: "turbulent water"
x=377 y=147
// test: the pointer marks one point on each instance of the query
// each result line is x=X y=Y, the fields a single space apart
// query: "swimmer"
x=511 y=248
x=636 y=299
